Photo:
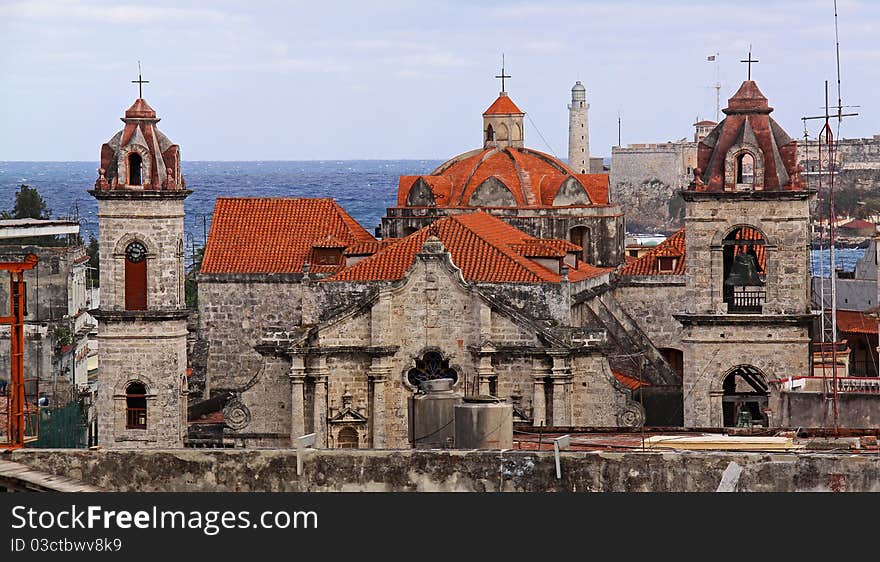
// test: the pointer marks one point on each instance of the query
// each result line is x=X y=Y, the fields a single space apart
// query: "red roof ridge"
x=503 y=105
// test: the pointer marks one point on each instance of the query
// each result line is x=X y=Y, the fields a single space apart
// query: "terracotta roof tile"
x=855 y=322
x=674 y=246
x=503 y=106
x=274 y=235
x=368 y=248
x=483 y=246
x=631 y=383
x=533 y=178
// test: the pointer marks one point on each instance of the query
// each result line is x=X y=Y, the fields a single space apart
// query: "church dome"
x=578 y=87
x=503 y=177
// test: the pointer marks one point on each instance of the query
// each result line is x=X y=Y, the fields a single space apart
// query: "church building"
x=503 y=270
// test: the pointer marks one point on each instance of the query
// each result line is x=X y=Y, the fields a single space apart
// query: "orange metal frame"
x=15 y=396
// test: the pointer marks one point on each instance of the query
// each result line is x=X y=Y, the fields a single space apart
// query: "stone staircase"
x=623 y=330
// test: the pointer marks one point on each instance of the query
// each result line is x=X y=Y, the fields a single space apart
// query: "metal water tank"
x=483 y=422
x=431 y=415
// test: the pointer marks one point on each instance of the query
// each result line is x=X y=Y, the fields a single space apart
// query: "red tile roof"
x=532 y=177
x=858 y=224
x=275 y=235
x=368 y=248
x=483 y=246
x=674 y=247
x=631 y=383
x=855 y=322
x=140 y=109
x=648 y=263
x=503 y=106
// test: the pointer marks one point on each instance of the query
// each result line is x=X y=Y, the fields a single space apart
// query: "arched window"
x=135 y=276
x=490 y=133
x=135 y=169
x=135 y=406
x=429 y=367
x=583 y=237
x=744 y=397
x=745 y=169
x=347 y=438
x=745 y=270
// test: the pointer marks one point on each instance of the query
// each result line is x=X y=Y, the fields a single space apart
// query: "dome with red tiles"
x=503 y=177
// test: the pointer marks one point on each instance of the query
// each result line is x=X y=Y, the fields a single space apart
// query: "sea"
x=364 y=188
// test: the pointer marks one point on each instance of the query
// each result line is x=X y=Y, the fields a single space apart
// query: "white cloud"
x=119 y=14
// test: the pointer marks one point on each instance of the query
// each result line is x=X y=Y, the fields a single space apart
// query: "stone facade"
x=342 y=366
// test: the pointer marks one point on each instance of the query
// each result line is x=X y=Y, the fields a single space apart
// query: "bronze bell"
x=743 y=272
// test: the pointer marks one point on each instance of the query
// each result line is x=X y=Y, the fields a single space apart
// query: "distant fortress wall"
x=645 y=177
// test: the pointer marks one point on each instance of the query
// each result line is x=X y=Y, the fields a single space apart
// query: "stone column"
x=716 y=410
x=378 y=375
x=297 y=407
x=319 y=373
x=485 y=371
x=561 y=375
x=539 y=400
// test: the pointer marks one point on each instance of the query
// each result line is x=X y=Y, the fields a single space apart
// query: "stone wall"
x=652 y=301
x=782 y=217
x=153 y=354
x=156 y=222
x=206 y=470
x=645 y=180
x=858 y=164
x=233 y=316
x=712 y=350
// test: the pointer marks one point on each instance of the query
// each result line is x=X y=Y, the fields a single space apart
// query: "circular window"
x=135 y=252
x=431 y=366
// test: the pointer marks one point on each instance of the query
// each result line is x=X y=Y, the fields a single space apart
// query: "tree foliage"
x=29 y=204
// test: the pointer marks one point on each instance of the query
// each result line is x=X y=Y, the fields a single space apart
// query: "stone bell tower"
x=142 y=391
x=747 y=266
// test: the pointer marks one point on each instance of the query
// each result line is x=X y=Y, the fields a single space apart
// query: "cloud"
x=118 y=14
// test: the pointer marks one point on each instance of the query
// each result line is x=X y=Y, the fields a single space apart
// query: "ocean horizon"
x=364 y=188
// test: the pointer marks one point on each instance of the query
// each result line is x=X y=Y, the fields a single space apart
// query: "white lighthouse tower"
x=579 y=130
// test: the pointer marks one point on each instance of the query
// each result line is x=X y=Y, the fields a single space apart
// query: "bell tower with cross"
x=503 y=120
x=142 y=316
x=747 y=315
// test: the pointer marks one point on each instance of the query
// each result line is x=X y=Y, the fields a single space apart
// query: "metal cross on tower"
x=502 y=75
x=750 y=60
x=140 y=82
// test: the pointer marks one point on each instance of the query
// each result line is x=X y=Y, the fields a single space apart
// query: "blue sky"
x=294 y=80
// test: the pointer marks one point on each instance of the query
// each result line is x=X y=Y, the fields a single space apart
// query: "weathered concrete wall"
x=811 y=409
x=447 y=471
